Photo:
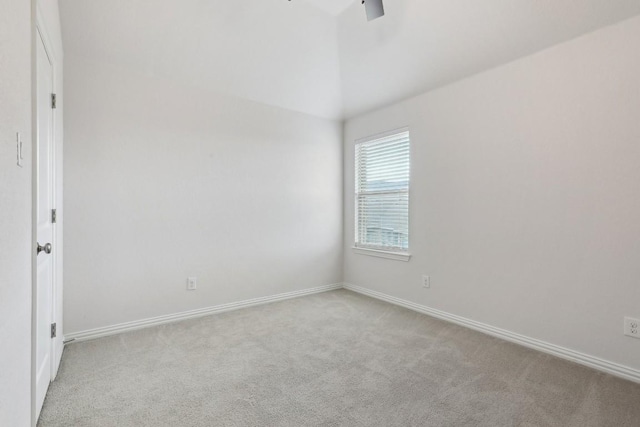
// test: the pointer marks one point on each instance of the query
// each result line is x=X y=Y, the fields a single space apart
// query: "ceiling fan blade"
x=374 y=8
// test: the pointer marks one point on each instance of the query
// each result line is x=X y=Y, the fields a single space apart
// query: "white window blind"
x=382 y=192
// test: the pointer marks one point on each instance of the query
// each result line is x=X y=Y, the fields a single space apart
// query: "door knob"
x=46 y=248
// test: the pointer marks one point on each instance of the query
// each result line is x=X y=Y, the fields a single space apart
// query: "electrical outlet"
x=632 y=327
x=192 y=283
x=426 y=281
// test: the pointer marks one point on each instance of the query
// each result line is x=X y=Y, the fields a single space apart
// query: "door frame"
x=40 y=34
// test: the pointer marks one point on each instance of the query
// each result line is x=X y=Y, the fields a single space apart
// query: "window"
x=382 y=193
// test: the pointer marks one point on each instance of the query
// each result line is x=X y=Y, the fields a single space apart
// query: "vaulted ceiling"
x=334 y=7
x=322 y=57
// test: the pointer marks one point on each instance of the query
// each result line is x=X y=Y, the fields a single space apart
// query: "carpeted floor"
x=332 y=359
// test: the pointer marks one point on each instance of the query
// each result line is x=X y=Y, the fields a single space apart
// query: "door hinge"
x=53 y=330
x=54 y=216
x=53 y=101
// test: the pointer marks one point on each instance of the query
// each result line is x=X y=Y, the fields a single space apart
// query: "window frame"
x=388 y=252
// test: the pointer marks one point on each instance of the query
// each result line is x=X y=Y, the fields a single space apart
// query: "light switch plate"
x=19 y=149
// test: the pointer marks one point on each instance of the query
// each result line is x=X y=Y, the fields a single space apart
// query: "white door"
x=44 y=233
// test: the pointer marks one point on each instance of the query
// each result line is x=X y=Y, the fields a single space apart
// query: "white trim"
x=397 y=256
x=381 y=135
x=545 y=347
x=176 y=317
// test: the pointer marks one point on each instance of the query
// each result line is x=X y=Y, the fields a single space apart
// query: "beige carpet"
x=333 y=359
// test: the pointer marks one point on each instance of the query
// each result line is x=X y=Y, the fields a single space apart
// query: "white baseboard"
x=170 y=318
x=545 y=347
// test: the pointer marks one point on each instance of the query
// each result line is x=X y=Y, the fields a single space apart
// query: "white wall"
x=165 y=181
x=525 y=199
x=15 y=221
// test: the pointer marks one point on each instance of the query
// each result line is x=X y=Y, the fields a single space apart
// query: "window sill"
x=396 y=256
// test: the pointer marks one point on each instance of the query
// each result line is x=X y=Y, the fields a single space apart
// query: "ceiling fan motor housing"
x=375 y=9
